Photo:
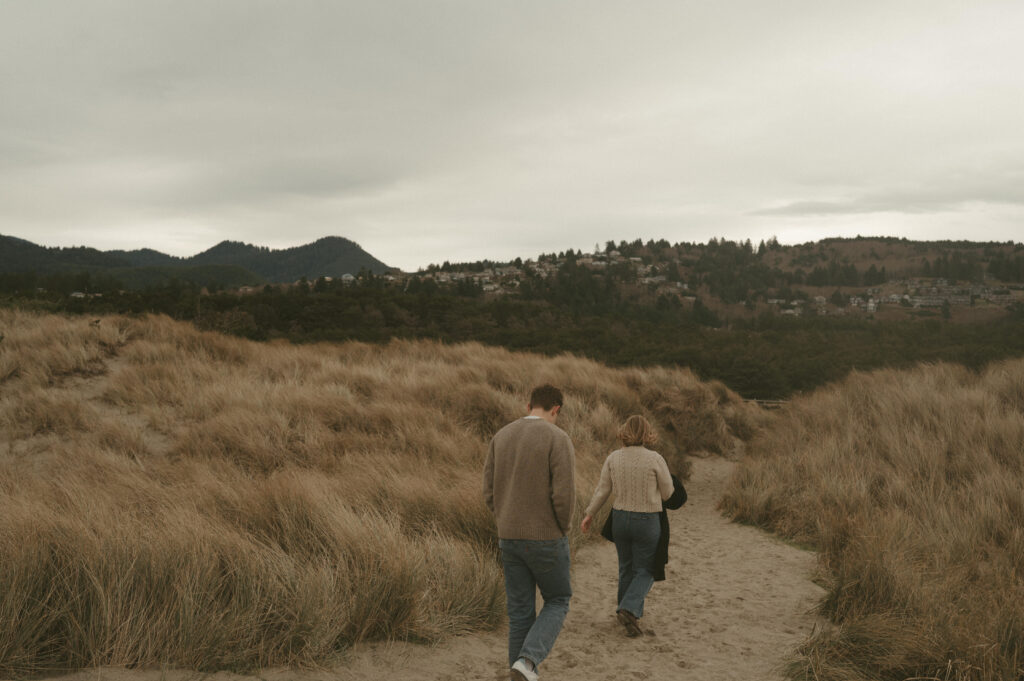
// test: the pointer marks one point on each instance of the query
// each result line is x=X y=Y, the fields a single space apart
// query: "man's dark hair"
x=546 y=396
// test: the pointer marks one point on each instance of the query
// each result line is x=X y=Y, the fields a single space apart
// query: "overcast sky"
x=430 y=131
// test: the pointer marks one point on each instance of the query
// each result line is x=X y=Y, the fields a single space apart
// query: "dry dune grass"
x=912 y=485
x=180 y=497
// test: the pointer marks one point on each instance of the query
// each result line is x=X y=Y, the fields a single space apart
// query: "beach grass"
x=176 y=497
x=911 y=486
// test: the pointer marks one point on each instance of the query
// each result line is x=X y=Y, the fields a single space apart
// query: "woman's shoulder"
x=652 y=455
x=635 y=452
x=622 y=454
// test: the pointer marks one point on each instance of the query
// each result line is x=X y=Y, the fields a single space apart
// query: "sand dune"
x=735 y=603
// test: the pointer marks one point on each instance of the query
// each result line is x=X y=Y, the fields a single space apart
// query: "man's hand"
x=587 y=522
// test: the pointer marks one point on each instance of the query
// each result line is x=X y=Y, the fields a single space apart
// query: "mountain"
x=146 y=257
x=331 y=256
x=229 y=263
x=19 y=255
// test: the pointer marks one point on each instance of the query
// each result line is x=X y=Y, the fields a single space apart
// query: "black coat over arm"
x=675 y=501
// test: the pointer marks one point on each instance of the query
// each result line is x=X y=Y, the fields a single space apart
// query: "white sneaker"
x=521 y=671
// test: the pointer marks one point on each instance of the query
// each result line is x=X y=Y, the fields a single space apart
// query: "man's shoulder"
x=508 y=427
x=531 y=427
x=553 y=430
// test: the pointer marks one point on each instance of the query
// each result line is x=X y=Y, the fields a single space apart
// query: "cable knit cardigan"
x=638 y=476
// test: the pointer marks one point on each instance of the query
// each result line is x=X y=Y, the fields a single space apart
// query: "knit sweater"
x=529 y=480
x=638 y=476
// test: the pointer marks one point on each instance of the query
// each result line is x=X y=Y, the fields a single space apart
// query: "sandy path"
x=735 y=603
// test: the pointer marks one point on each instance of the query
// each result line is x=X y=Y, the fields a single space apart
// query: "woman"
x=640 y=479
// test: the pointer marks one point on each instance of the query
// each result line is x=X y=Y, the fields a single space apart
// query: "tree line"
x=765 y=357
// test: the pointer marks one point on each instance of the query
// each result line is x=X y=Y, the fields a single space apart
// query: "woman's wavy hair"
x=637 y=431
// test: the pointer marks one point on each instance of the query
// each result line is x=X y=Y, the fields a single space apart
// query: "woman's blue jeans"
x=636 y=541
x=529 y=565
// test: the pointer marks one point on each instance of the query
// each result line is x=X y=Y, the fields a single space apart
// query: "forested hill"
x=328 y=257
x=228 y=263
x=767 y=320
x=19 y=255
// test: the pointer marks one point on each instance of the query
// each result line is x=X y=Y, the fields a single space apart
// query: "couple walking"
x=529 y=486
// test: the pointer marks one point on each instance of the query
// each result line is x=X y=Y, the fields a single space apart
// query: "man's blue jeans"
x=636 y=541
x=531 y=564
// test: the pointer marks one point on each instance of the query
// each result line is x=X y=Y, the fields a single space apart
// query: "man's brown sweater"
x=528 y=480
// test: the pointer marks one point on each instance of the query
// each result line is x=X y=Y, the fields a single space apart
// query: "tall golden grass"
x=911 y=483
x=170 y=496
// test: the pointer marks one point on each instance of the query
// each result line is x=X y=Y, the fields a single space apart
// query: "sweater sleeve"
x=563 y=484
x=665 y=486
x=489 y=478
x=603 y=490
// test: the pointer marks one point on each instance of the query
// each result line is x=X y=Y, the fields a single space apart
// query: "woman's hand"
x=587 y=522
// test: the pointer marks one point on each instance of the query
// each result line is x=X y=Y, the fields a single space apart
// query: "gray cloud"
x=954 y=192
x=461 y=129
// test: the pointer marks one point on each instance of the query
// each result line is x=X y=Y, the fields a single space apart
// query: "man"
x=529 y=487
